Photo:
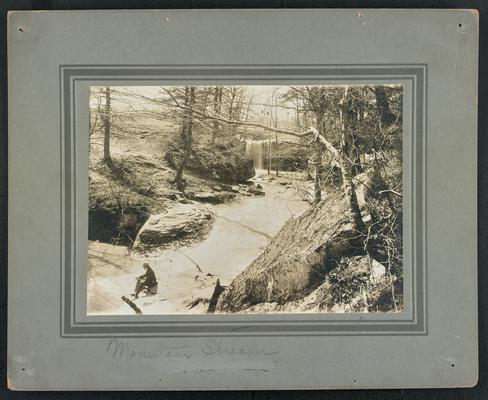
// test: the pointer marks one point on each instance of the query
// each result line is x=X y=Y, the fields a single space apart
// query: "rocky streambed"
x=210 y=242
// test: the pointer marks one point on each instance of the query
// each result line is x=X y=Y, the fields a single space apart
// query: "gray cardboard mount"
x=55 y=56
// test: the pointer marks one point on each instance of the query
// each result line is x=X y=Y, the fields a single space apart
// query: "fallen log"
x=132 y=305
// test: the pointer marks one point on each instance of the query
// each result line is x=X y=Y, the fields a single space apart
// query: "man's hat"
x=145 y=265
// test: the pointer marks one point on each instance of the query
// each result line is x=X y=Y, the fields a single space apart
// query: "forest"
x=247 y=199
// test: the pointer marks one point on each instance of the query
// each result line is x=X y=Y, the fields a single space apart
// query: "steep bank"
x=356 y=284
x=140 y=184
x=311 y=264
x=296 y=260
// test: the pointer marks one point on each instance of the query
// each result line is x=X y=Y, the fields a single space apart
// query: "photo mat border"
x=253 y=325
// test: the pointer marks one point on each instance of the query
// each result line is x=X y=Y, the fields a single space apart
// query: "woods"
x=339 y=148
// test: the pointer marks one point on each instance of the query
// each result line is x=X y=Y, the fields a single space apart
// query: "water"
x=241 y=230
x=256 y=150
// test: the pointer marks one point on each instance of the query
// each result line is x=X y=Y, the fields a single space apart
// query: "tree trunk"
x=348 y=143
x=347 y=165
x=269 y=152
x=275 y=122
x=350 y=191
x=317 y=161
x=231 y=108
x=106 y=130
x=215 y=296
x=383 y=106
x=187 y=132
x=217 y=111
x=277 y=156
x=317 y=150
x=297 y=114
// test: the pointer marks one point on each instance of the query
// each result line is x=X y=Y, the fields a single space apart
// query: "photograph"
x=249 y=199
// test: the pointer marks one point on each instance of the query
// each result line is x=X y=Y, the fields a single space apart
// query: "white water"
x=255 y=150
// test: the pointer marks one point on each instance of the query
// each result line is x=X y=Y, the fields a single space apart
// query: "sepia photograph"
x=218 y=199
x=245 y=199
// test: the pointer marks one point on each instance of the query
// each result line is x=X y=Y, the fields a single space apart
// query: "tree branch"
x=220 y=118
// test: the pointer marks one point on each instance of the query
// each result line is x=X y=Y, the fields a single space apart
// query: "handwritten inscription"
x=121 y=350
x=212 y=346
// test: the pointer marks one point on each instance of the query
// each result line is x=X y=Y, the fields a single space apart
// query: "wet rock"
x=212 y=197
x=229 y=188
x=255 y=191
x=183 y=221
x=185 y=201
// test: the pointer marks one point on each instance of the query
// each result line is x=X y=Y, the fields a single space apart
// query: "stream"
x=241 y=230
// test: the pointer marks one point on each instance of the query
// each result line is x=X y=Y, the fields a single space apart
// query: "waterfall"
x=255 y=150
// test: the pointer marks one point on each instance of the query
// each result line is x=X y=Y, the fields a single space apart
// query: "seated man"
x=145 y=281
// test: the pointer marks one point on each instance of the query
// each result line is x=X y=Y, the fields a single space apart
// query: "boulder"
x=255 y=191
x=297 y=259
x=344 y=289
x=239 y=171
x=181 y=222
x=212 y=197
x=229 y=188
x=222 y=164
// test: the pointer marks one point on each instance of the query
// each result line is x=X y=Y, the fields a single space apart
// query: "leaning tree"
x=317 y=98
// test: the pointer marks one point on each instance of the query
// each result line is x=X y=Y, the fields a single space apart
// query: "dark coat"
x=149 y=278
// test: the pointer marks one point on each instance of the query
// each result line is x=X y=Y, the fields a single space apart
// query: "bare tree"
x=107 y=158
x=274 y=117
x=217 y=109
x=95 y=112
x=347 y=163
x=336 y=113
x=319 y=137
x=187 y=135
